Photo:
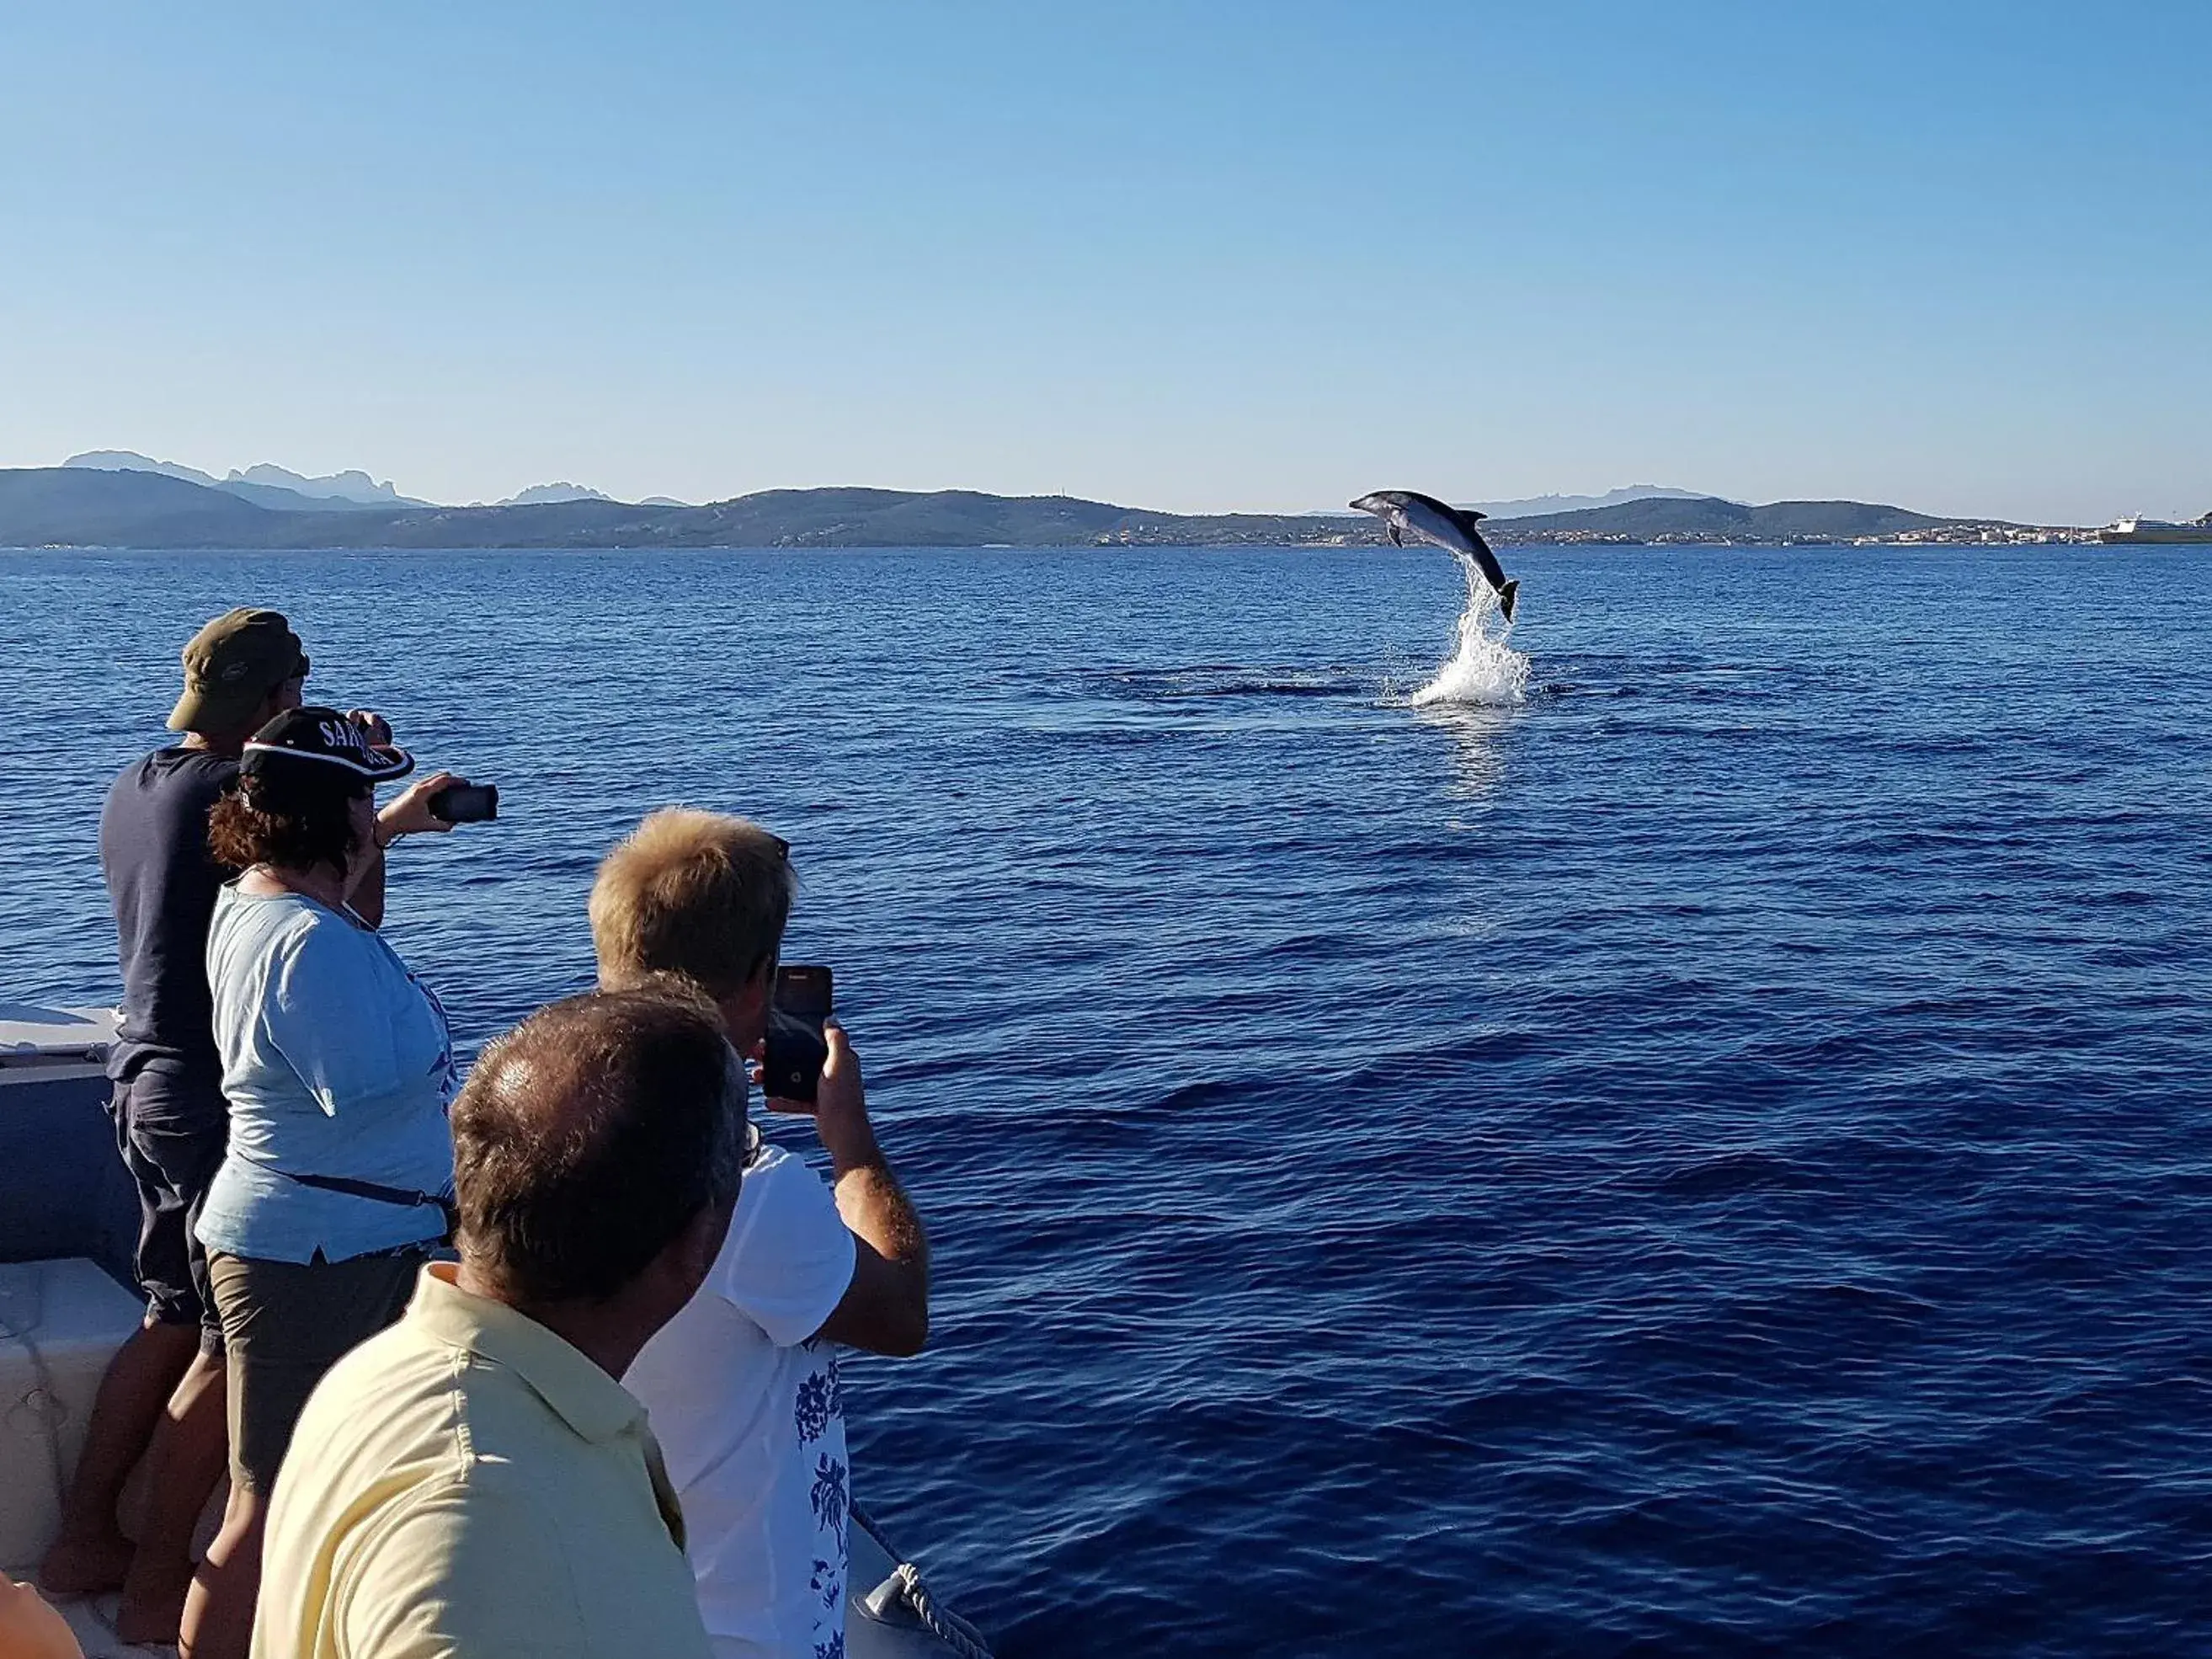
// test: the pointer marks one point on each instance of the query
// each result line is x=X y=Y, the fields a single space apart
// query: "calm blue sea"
x=1715 y=1159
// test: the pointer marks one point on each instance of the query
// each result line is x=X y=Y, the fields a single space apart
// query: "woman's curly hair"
x=265 y=820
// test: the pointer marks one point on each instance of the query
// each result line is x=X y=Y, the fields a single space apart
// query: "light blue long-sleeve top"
x=335 y=1062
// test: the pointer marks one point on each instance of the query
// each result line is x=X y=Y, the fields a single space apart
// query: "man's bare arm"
x=885 y=1310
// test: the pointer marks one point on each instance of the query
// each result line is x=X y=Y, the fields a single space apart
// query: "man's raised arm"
x=885 y=1310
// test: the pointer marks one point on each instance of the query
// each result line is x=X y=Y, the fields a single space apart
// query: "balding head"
x=589 y=1137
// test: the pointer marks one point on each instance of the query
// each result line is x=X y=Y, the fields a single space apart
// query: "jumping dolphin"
x=1449 y=527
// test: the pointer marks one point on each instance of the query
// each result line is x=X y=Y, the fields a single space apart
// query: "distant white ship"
x=2157 y=530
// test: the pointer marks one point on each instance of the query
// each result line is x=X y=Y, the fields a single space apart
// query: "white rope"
x=946 y=1626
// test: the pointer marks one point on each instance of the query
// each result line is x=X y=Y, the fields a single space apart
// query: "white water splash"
x=1486 y=669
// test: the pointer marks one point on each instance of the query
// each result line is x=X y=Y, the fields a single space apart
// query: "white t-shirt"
x=749 y=1415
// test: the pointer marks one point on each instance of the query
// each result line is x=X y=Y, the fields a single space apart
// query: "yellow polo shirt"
x=467 y=1484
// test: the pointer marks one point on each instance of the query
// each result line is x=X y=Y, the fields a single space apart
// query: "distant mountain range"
x=540 y=495
x=1711 y=518
x=266 y=485
x=351 y=489
x=1530 y=505
x=278 y=487
x=1524 y=505
x=92 y=506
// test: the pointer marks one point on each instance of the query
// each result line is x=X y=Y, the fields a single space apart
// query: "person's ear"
x=745 y=1011
x=690 y=1255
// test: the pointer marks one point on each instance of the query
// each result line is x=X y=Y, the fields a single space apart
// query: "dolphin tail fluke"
x=1505 y=598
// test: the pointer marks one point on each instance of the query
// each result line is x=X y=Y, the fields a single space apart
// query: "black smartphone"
x=791 y=1061
x=464 y=803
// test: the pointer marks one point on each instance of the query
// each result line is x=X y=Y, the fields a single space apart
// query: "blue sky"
x=1956 y=256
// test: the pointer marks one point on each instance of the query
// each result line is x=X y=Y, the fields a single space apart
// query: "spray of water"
x=1486 y=669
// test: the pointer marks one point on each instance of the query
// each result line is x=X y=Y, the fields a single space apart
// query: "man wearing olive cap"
x=163 y=1395
x=164 y=1389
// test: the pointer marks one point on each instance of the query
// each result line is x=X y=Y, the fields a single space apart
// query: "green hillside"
x=82 y=507
x=1710 y=516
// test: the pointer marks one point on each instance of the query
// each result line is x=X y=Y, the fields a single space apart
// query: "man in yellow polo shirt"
x=474 y=1481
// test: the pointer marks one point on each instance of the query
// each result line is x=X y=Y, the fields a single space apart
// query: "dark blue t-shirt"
x=163 y=880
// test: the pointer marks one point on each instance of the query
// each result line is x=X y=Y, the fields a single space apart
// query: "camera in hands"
x=466 y=803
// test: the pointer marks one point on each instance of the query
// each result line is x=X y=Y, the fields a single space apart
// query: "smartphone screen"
x=795 y=1049
x=802 y=991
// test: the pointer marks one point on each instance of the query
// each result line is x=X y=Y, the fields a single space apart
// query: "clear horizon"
x=1260 y=258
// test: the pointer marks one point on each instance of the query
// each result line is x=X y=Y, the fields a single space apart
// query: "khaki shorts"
x=284 y=1324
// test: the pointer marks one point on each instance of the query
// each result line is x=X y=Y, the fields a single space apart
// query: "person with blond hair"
x=742 y=1385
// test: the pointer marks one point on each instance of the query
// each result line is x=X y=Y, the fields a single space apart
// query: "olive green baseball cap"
x=231 y=665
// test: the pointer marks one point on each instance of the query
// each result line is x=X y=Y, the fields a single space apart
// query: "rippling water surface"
x=1712 y=1158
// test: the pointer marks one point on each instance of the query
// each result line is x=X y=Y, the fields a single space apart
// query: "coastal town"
x=1343 y=533
x=1940 y=535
